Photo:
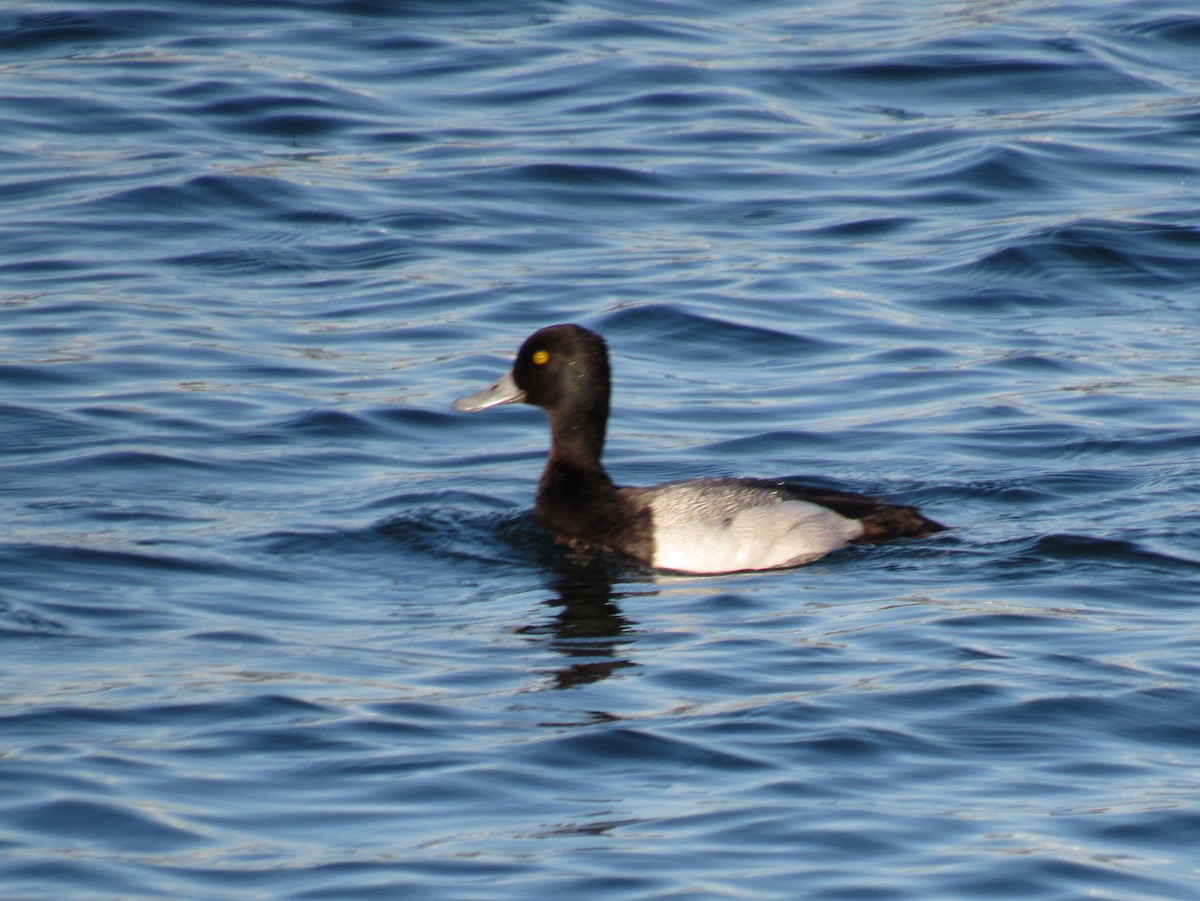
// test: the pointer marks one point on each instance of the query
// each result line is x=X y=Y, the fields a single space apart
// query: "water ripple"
x=278 y=622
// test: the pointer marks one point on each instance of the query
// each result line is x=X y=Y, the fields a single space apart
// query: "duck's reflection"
x=588 y=628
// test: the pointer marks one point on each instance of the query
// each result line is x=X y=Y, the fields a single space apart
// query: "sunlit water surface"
x=277 y=623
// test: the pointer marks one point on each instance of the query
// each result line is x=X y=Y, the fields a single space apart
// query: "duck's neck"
x=577 y=441
x=576 y=498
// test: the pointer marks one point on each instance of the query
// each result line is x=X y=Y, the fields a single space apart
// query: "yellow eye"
x=540 y=358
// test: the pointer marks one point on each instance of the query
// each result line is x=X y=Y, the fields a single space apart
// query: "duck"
x=694 y=526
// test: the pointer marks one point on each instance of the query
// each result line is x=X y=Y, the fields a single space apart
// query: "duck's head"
x=561 y=368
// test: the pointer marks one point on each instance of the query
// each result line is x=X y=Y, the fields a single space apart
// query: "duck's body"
x=693 y=526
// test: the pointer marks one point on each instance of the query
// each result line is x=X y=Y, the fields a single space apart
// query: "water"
x=276 y=622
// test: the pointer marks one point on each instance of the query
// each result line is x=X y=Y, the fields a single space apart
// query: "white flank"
x=764 y=536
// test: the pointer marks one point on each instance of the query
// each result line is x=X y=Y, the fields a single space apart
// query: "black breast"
x=583 y=509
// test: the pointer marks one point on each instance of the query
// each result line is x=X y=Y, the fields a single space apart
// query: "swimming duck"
x=711 y=525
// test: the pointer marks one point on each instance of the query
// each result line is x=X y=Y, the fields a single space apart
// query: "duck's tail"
x=886 y=521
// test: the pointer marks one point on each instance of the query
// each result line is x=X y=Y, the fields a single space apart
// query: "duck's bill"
x=504 y=391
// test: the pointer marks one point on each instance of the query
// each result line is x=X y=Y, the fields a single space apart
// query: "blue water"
x=276 y=623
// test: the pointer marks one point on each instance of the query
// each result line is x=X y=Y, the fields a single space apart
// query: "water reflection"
x=589 y=629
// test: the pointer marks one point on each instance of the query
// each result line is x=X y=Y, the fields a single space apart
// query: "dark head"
x=564 y=370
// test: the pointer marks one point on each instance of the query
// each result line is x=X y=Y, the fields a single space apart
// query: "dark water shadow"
x=586 y=624
x=588 y=627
